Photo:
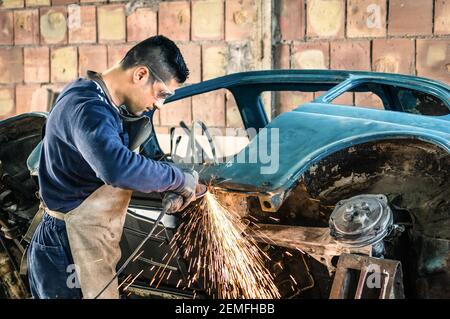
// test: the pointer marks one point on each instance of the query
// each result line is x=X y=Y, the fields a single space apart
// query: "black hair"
x=161 y=54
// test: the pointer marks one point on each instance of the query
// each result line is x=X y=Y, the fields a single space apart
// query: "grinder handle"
x=172 y=203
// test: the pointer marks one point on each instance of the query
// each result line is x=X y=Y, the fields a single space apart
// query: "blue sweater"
x=85 y=147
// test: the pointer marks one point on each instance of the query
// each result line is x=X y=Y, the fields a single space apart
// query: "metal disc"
x=361 y=220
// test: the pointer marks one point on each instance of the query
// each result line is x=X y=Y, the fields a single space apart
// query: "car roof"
x=285 y=76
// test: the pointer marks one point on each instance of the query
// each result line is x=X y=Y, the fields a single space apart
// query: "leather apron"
x=94 y=230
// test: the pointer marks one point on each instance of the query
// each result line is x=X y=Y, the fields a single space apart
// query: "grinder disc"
x=200 y=190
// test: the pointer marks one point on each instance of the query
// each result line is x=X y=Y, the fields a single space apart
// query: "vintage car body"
x=328 y=155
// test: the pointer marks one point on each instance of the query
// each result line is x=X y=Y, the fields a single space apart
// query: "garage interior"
x=304 y=232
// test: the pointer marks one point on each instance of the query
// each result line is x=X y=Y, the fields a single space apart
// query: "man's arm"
x=96 y=136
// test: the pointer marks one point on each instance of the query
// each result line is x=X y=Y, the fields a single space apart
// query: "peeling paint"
x=241 y=58
x=74 y=21
x=374 y=18
x=389 y=64
x=132 y=6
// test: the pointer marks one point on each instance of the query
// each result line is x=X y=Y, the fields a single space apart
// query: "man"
x=87 y=172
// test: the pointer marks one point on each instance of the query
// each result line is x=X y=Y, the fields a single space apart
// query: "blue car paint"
x=301 y=142
x=441 y=91
x=314 y=131
x=272 y=77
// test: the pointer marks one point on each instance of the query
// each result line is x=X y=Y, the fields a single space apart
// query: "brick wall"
x=44 y=44
x=398 y=36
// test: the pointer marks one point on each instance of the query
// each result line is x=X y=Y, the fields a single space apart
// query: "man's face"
x=148 y=92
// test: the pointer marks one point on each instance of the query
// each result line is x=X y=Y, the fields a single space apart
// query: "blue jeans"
x=50 y=262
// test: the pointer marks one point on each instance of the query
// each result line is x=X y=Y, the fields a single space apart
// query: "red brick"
x=37 y=3
x=91 y=57
x=11 y=65
x=90 y=1
x=12 y=4
x=214 y=60
x=240 y=19
x=240 y=56
x=368 y=100
x=7 y=105
x=26 y=26
x=433 y=58
x=41 y=99
x=203 y=26
x=162 y=130
x=53 y=25
x=117 y=52
x=192 y=56
x=36 y=64
x=141 y=24
x=64 y=64
x=289 y=100
x=82 y=24
x=292 y=19
x=393 y=56
x=171 y=114
x=344 y=99
x=175 y=20
x=282 y=56
x=442 y=17
x=410 y=17
x=233 y=118
x=6 y=28
x=318 y=93
x=209 y=108
x=312 y=55
x=111 y=24
x=63 y=2
x=366 y=18
x=350 y=55
x=30 y=98
x=325 y=18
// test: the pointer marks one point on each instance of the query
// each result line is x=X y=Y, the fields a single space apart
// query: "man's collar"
x=97 y=79
x=122 y=110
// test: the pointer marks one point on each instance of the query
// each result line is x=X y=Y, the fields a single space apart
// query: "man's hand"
x=172 y=202
x=178 y=199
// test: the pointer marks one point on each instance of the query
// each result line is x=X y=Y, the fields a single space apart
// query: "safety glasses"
x=164 y=94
